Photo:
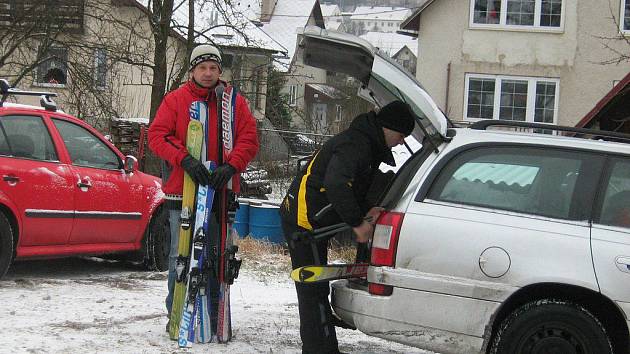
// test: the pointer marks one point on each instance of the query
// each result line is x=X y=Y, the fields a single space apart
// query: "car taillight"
x=384 y=245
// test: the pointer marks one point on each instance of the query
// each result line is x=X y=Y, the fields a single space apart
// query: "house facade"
x=377 y=19
x=536 y=60
x=325 y=103
x=407 y=58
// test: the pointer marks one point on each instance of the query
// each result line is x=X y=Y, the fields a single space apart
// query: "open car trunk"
x=382 y=78
x=383 y=81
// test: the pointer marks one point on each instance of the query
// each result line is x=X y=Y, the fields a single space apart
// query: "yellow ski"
x=314 y=274
x=194 y=141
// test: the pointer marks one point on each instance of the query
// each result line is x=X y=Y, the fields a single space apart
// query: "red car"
x=66 y=190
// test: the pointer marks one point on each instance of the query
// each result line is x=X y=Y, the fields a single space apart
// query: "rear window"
x=526 y=180
x=26 y=137
x=615 y=209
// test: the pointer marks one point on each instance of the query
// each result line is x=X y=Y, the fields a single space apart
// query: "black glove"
x=196 y=170
x=221 y=176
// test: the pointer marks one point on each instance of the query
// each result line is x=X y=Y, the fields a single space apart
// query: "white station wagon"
x=494 y=241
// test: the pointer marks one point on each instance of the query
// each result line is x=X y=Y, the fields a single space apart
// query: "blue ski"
x=195 y=274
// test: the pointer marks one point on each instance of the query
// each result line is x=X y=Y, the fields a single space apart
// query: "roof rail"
x=576 y=132
x=46 y=100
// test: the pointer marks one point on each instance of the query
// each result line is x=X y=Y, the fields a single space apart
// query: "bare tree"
x=618 y=44
x=27 y=31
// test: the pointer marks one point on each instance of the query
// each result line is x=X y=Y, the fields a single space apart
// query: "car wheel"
x=157 y=239
x=6 y=244
x=551 y=326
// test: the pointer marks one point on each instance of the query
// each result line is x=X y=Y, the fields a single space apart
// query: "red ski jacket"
x=167 y=133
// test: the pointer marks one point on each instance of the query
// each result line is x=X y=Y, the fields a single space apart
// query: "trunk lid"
x=383 y=80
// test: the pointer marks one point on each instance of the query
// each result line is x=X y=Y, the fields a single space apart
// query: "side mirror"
x=131 y=164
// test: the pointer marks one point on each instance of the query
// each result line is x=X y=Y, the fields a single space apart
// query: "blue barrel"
x=264 y=222
x=241 y=220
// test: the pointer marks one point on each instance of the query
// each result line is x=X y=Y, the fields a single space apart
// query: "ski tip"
x=302 y=275
x=295 y=274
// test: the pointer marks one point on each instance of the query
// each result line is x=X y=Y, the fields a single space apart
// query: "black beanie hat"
x=397 y=116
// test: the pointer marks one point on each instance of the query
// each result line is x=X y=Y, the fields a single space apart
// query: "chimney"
x=267 y=10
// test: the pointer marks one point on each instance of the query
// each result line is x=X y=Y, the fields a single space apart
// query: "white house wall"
x=572 y=55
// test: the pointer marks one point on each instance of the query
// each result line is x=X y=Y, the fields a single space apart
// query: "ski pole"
x=322 y=232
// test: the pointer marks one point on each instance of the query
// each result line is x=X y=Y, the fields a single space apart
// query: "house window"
x=511 y=98
x=338 y=113
x=542 y=14
x=292 y=95
x=213 y=18
x=53 y=70
x=100 y=68
x=625 y=16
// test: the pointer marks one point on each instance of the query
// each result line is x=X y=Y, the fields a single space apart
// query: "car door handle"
x=11 y=179
x=84 y=184
x=623 y=263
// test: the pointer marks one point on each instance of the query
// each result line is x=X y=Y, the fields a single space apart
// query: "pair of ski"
x=327 y=272
x=191 y=309
x=202 y=252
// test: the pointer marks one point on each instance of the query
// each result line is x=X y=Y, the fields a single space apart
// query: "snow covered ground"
x=91 y=305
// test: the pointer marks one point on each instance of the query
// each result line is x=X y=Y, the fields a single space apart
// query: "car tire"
x=6 y=244
x=157 y=240
x=551 y=326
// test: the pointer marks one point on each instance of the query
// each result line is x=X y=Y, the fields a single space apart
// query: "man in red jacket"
x=167 y=139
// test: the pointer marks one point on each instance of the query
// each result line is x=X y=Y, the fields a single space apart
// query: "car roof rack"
x=46 y=100
x=576 y=132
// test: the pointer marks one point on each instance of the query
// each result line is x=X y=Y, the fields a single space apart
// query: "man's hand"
x=221 y=176
x=373 y=214
x=364 y=232
x=196 y=170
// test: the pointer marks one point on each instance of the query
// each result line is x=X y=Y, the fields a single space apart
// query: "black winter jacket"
x=340 y=173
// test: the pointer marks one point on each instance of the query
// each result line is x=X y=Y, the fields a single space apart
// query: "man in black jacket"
x=339 y=174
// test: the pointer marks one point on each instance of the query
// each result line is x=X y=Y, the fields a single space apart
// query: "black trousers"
x=316 y=331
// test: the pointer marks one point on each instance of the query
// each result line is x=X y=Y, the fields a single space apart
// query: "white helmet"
x=204 y=52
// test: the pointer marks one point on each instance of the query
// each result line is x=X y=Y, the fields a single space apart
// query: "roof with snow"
x=287 y=17
x=330 y=10
x=381 y=13
x=140 y=120
x=412 y=23
x=328 y=90
x=332 y=16
x=391 y=43
x=227 y=25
